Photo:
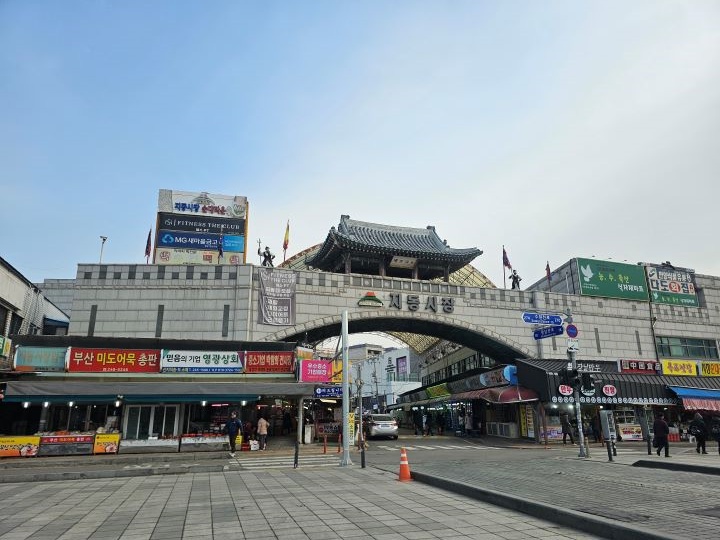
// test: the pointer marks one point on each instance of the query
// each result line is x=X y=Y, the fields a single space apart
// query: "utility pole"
x=576 y=391
x=345 y=461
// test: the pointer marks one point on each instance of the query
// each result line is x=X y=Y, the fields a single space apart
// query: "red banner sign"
x=114 y=360
x=269 y=362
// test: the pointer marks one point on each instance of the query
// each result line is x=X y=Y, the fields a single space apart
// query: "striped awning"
x=694 y=399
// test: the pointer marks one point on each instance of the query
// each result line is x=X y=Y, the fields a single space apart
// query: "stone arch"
x=476 y=337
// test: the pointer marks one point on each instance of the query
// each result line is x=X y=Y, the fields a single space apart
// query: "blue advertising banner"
x=202 y=241
x=200 y=224
x=40 y=358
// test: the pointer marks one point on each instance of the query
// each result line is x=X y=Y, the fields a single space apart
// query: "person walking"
x=661 y=432
x=566 y=428
x=233 y=428
x=262 y=431
x=698 y=429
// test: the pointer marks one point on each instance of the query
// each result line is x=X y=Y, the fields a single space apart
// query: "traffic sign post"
x=571 y=331
x=541 y=318
x=548 y=331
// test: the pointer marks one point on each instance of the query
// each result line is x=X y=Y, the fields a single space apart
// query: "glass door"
x=150 y=421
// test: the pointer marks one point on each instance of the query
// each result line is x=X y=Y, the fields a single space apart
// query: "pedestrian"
x=597 y=429
x=424 y=422
x=233 y=428
x=698 y=429
x=566 y=428
x=715 y=430
x=262 y=431
x=661 y=432
x=286 y=423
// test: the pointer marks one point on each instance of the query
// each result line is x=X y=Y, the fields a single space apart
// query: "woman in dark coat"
x=698 y=430
x=661 y=432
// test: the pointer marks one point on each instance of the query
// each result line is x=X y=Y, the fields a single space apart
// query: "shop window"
x=675 y=347
x=150 y=421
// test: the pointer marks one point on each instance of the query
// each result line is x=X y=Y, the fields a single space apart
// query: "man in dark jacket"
x=661 y=431
x=233 y=428
x=715 y=430
x=698 y=430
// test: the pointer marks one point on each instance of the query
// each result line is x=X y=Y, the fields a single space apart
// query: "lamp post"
x=103 y=239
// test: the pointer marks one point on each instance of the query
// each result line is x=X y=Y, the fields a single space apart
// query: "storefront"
x=634 y=390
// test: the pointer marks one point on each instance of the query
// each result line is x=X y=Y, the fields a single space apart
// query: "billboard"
x=202 y=203
x=276 y=301
x=40 y=358
x=269 y=362
x=201 y=224
x=194 y=256
x=671 y=285
x=173 y=361
x=194 y=222
x=612 y=280
x=87 y=360
x=203 y=241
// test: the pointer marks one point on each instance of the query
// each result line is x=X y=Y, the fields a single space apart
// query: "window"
x=675 y=347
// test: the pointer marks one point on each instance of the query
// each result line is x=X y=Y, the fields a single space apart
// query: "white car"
x=380 y=425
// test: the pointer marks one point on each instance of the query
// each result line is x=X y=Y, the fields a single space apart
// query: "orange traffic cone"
x=404 y=475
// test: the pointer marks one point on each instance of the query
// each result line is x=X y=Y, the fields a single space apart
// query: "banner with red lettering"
x=269 y=362
x=114 y=360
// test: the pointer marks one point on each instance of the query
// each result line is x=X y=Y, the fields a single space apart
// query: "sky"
x=557 y=129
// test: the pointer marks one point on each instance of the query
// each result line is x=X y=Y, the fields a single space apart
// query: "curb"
x=588 y=523
x=104 y=473
x=674 y=466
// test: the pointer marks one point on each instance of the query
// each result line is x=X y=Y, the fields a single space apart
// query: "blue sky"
x=558 y=129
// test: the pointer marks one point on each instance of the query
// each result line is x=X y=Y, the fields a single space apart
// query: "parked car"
x=380 y=425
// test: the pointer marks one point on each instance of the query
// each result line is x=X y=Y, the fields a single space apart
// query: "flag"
x=220 y=245
x=548 y=273
x=148 y=245
x=286 y=240
x=506 y=261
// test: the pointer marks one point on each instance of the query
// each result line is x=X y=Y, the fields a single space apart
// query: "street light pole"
x=103 y=239
x=576 y=391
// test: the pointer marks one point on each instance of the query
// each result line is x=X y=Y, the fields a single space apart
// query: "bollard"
x=324 y=444
x=339 y=442
x=607 y=442
x=649 y=445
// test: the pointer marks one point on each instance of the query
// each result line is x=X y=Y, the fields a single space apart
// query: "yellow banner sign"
x=682 y=368
x=440 y=390
x=710 y=369
x=106 y=443
x=19 y=446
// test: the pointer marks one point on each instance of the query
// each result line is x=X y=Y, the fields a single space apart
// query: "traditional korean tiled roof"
x=376 y=239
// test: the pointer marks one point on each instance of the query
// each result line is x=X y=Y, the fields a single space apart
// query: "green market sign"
x=612 y=280
x=671 y=286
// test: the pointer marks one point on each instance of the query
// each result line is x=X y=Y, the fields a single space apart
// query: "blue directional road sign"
x=541 y=318
x=548 y=331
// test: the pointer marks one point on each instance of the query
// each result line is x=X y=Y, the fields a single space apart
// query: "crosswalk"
x=433 y=447
x=285 y=461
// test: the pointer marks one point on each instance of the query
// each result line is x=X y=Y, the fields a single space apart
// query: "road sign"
x=541 y=318
x=573 y=345
x=548 y=331
x=571 y=331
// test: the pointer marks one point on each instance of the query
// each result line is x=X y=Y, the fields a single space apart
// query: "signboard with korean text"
x=82 y=359
x=710 y=369
x=650 y=367
x=201 y=224
x=439 y=390
x=5 y=345
x=269 y=362
x=315 y=371
x=328 y=392
x=64 y=445
x=612 y=279
x=494 y=377
x=106 y=443
x=682 y=368
x=195 y=256
x=202 y=203
x=19 y=446
x=40 y=358
x=201 y=241
x=671 y=286
x=276 y=302
x=174 y=361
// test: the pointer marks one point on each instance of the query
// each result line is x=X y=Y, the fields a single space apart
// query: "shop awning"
x=698 y=398
x=150 y=392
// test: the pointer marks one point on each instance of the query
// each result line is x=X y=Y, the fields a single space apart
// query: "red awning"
x=701 y=404
x=500 y=394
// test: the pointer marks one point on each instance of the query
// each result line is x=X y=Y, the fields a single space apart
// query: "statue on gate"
x=267 y=257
